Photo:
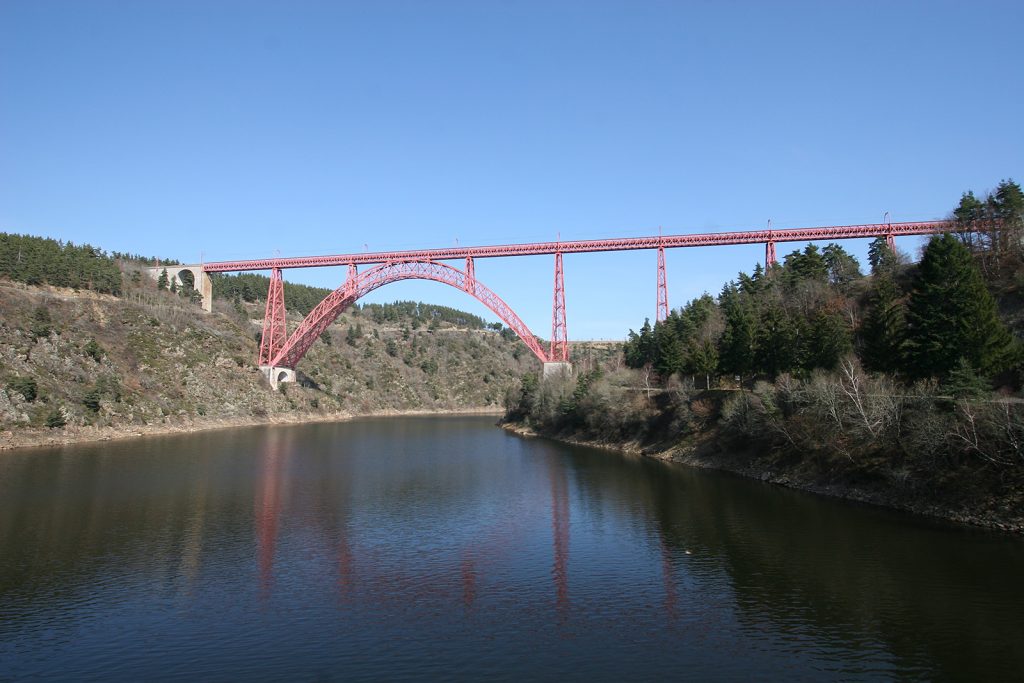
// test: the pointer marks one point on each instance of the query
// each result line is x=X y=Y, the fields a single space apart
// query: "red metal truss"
x=662 y=286
x=470 y=275
x=353 y=274
x=559 y=333
x=274 y=320
x=582 y=246
x=328 y=310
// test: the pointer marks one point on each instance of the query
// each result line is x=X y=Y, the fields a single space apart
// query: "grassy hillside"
x=75 y=358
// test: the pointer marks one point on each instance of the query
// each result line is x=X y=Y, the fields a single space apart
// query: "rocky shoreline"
x=701 y=452
x=39 y=437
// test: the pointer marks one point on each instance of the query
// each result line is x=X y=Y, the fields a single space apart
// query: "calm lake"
x=444 y=548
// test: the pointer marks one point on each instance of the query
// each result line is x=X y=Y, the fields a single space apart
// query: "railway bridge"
x=280 y=351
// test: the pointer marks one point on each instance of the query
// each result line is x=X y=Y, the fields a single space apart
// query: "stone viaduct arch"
x=200 y=280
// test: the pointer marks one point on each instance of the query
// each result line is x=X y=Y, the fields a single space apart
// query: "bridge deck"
x=580 y=246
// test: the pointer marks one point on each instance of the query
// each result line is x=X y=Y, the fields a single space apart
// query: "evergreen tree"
x=965 y=382
x=91 y=399
x=26 y=386
x=647 y=344
x=808 y=265
x=37 y=260
x=55 y=418
x=669 y=350
x=736 y=347
x=704 y=361
x=969 y=210
x=881 y=257
x=758 y=276
x=94 y=350
x=161 y=282
x=691 y=320
x=776 y=341
x=969 y=215
x=748 y=285
x=639 y=348
x=1007 y=207
x=1009 y=201
x=842 y=267
x=883 y=328
x=828 y=340
x=951 y=314
x=42 y=323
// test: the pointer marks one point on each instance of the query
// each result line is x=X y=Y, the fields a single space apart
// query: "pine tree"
x=647 y=347
x=883 y=328
x=693 y=319
x=776 y=341
x=26 y=386
x=881 y=257
x=842 y=267
x=969 y=210
x=952 y=315
x=631 y=350
x=704 y=361
x=640 y=349
x=1009 y=201
x=55 y=418
x=1007 y=206
x=968 y=215
x=162 y=281
x=736 y=347
x=964 y=381
x=808 y=265
x=669 y=350
x=758 y=275
x=94 y=350
x=828 y=340
x=42 y=323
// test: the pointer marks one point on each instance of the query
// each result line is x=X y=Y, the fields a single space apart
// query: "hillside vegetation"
x=85 y=352
x=901 y=387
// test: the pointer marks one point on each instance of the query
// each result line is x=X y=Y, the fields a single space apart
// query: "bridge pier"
x=277 y=376
x=557 y=369
x=201 y=281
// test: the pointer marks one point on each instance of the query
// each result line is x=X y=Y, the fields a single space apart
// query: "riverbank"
x=44 y=437
x=1000 y=508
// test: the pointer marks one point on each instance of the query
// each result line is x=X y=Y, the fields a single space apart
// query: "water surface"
x=443 y=548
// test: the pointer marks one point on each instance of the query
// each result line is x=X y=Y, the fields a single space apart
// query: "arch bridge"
x=280 y=352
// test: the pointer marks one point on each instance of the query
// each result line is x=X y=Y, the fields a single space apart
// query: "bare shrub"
x=991 y=430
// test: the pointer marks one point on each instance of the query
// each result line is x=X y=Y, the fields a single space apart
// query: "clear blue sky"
x=222 y=130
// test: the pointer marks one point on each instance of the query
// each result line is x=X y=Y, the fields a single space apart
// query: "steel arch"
x=328 y=310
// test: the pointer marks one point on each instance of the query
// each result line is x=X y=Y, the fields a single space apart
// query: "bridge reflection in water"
x=429 y=547
x=483 y=547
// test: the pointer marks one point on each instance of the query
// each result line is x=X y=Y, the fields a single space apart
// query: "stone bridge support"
x=557 y=369
x=277 y=376
x=200 y=278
